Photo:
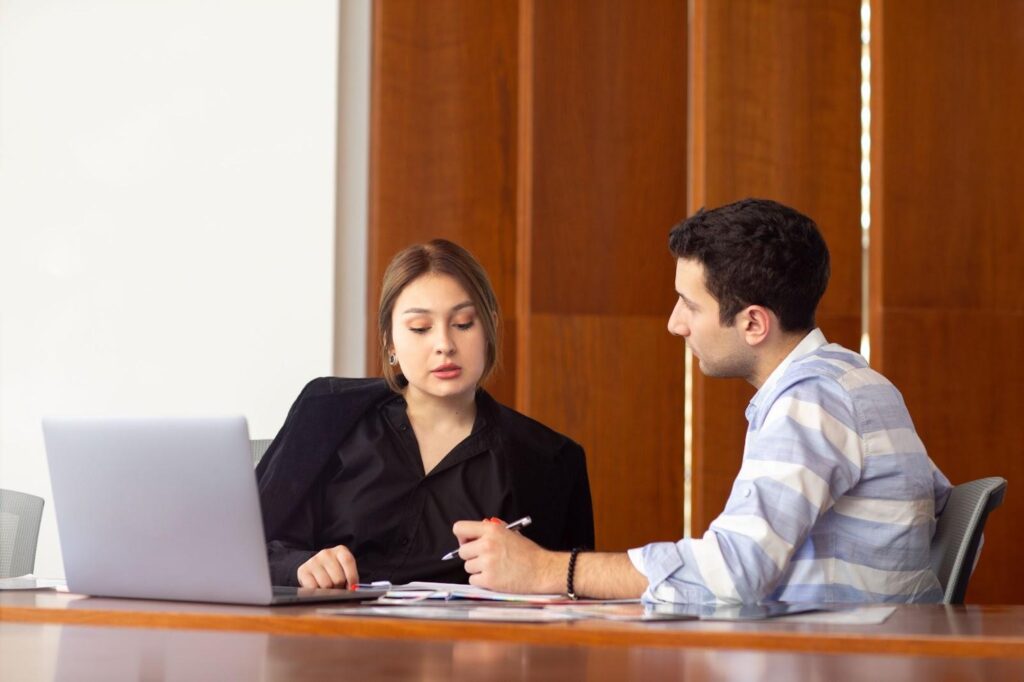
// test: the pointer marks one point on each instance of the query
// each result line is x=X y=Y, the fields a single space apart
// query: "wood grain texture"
x=609 y=154
x=925 y=630
x=615 y=382
x=606 y=117
x=947 y=295
x=45 y=651
x=443 y=142
x=774 y=113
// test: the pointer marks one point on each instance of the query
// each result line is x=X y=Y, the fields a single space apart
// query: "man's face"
x=721 y=351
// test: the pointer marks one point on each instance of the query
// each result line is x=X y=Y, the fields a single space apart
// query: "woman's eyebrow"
x=427 y=311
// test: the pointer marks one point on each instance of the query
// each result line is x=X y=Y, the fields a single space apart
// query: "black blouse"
x=371 y=495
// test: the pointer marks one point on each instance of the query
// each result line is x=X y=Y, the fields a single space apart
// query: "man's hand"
x=332 y=567
x=505 y=561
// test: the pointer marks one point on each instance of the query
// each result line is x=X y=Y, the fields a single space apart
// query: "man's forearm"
x=598 y=575
x=603 y=575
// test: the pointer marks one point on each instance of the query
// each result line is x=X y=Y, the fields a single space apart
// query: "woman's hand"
x=332 y=567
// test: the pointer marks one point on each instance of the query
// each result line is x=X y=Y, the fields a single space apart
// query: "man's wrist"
x=553 y=574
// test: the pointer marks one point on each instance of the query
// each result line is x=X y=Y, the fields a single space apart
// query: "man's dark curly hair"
x=757 y=252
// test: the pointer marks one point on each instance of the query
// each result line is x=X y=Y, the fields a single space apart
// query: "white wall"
x=167 y=173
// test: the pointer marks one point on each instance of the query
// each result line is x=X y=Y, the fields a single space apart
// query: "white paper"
x=492 y=614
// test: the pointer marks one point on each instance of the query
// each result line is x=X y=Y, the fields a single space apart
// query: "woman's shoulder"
x=528 y=432
x=342 y=387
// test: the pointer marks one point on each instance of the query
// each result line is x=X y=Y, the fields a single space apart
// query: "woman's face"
x=438 y=341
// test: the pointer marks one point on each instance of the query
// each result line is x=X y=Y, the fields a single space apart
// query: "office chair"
x=958 y=531
x=259 y=448
x=20 y=515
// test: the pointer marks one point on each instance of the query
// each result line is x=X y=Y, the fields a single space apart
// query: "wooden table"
x=61 y=636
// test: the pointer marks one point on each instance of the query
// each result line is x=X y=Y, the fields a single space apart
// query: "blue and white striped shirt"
x=835 y=501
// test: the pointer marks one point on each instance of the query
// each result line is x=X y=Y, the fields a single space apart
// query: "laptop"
x=164 y=508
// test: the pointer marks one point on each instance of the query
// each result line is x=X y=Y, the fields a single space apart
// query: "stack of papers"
x=463 y=611
x=448 y=592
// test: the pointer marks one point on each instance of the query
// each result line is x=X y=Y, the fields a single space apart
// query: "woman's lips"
x=447 y=372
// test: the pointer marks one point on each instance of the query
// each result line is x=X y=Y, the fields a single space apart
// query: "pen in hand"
x=515 y=525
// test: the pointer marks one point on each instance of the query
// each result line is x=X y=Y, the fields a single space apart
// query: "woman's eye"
x=419 y=330
x=464 y=325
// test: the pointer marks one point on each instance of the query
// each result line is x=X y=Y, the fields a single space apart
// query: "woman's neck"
x=452 y=412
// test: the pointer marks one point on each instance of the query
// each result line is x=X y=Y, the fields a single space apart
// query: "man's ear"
x=756 y=322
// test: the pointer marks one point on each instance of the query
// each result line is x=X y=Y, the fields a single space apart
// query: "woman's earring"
x=392 y=360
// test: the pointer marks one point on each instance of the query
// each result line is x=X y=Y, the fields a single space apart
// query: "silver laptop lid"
x=158 y=508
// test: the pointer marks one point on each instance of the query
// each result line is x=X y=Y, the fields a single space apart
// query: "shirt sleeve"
x=942 y=488
x=803 y=456
x=296 y=541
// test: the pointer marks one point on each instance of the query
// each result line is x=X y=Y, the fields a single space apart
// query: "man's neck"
x=772 y=356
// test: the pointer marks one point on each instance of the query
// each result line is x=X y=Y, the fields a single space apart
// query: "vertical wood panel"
x=549 y=138
x=774 y=113
x=607 y=171
x=947 y=302
x=443 y=144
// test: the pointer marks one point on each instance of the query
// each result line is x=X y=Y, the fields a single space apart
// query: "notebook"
x=164 y=508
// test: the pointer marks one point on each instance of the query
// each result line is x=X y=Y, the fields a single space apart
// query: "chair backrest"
x=20 y=514
x=259 y=448
x=958 y=533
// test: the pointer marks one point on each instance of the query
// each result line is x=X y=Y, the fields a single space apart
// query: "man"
x=836 y=498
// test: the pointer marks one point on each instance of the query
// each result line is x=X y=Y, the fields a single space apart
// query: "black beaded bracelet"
x=570 y=590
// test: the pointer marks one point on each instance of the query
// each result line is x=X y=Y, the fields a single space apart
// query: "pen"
x=515 y=525
x=375 y=585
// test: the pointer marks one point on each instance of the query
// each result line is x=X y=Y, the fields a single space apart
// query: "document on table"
x=460 y=612
x=454 y=592
x=31 y=582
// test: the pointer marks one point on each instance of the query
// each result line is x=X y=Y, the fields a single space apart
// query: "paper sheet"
x=421 y=591
x=490 y=614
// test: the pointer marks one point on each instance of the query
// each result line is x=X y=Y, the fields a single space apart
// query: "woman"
x=367 y=476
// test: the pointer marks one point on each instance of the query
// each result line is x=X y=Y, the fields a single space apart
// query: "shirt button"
x=746 y=493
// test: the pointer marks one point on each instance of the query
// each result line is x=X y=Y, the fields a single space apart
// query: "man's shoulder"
x=833 y=364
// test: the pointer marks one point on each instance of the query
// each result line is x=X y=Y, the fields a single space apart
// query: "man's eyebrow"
x=685 y=299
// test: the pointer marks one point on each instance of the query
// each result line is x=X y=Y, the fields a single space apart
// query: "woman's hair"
x=440 y=257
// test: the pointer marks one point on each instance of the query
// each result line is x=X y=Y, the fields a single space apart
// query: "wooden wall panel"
x=774 y=113
x=947 y=297
x=549 y=138
x=605 y=379
x=605 y=149
x=443 y=143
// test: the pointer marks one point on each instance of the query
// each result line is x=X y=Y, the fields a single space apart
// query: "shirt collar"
x=814 y=340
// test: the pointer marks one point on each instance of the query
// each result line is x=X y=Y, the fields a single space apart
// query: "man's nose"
x=677 y=325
